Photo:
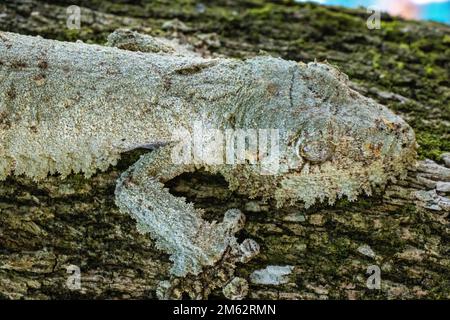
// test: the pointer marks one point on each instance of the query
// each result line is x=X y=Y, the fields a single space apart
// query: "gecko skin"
x=72 y=107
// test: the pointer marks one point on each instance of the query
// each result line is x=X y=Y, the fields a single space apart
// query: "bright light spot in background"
x=427 y=1
x=437 y=10
x=403 y=8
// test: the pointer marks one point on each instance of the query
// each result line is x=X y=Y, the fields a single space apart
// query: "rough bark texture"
x=46 y=226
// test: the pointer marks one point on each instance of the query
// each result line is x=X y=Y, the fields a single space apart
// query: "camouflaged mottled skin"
x=72 y=107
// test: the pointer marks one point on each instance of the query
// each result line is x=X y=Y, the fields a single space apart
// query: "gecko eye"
x=315 y=151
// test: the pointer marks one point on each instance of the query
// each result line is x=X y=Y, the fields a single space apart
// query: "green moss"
x=71 y=34
x=262 y=12
x=376 y=60
x=431 y=146
x=429 y=70
x=84 y=33
x=446 y=39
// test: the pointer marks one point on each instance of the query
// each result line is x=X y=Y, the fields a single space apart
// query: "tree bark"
x=46 y=227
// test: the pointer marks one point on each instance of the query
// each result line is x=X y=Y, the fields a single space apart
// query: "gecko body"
x=72 y=107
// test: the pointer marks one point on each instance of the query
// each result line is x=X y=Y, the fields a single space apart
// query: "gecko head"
x=341 y=144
